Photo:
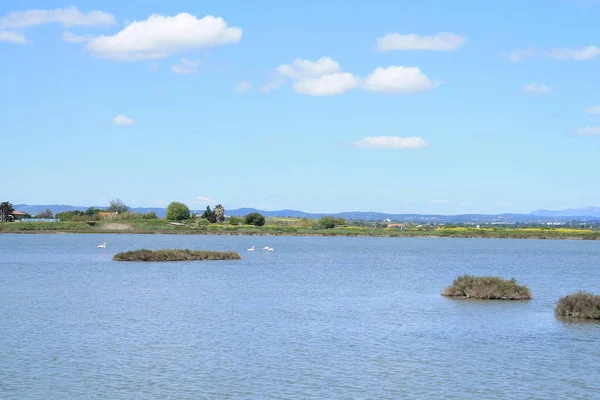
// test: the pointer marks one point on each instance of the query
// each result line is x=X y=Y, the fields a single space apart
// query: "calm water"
x=319 y=318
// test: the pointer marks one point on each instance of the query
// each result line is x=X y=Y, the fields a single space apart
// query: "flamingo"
x=102 y=246
x=251 y=248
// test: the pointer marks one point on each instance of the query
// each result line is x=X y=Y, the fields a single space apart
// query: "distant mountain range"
x=584 y=214
x=569 y=212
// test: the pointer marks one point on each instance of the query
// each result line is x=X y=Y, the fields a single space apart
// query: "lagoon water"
x=318 y=318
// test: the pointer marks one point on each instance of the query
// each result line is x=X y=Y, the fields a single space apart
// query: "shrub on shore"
x=579 y=305
x=487 y=288
x=175 y=255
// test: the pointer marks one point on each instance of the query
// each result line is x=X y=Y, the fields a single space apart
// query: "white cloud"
x=580 y=54
x=534 y=88
x=122 y=120
x=595 y=110
x=203 y=199
x=588 y=131
x=390 y=142
x=397 y=79
x=443 y=41
x=74 y=38
x=160 y=37
x=305 y=69
x=67 y=17
x=302 y=69
x=243 y=86
x=185 y=67
x=325 y=77
x=585 y=53
x=522 y=55
x=327 y=85
x=12 y=37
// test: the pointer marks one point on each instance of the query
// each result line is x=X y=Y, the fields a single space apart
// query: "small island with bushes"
x=487 y=288
x=580 y=304
x=175 y=255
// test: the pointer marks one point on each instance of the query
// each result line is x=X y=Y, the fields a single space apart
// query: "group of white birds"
x=266 y=248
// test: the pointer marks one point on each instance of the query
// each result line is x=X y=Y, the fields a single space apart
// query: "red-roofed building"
x=18 y=215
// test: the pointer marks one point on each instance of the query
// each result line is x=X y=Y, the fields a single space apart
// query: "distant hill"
x=592 y=212
x=585 y=214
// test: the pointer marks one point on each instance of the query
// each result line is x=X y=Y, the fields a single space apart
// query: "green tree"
x=116 y=205
x=5 y=211
x=177 y=211
x=219 y=213
x=91 y=211
x=328 y=222
x=255 y=219
x=233 y=220
x=209 y=215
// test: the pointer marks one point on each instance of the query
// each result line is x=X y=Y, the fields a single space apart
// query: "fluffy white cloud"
x=243 y=86
x=588 y=131
x=534 y=88
x=595 y=110
x=327 y=85
x=580 y=54
x=397 y=79
x=304 y=69
x=585 y=53
x=160 y=37
x=67 y=17
x=74 y=38
x=390 y=142
x=122 y=120
x=185 y=67
x=325 y=77
x=12 y=37
x=443 y=41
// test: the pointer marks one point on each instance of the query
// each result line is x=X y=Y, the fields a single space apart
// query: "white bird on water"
x=266 y=248
x=102 y=246
x=251 y=248
x=270 y=249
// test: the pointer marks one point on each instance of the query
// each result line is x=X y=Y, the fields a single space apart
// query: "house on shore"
x=397 y=226
x=17 y=215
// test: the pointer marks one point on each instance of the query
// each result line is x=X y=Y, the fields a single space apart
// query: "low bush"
x=579 y=305
x=175 y=255
x=487 y=288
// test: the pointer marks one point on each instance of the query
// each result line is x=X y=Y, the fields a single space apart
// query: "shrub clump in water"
x=487 y=288
x=579 y=305
x=175 y=255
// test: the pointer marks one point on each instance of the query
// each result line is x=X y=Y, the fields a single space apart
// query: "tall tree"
x=5 y=210
x=219 y=213
x=209 y=215
x=117 y=206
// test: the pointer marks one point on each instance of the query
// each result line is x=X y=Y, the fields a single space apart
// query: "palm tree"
x=219 y=213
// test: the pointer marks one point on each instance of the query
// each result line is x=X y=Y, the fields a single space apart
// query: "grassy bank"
x=175 y=255
x=276 y=227
x=487 y=288
x=579 y=305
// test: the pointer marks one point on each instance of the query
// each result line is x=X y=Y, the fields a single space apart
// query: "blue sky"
x=409 y=106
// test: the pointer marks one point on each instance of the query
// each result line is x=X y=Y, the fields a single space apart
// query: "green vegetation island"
x=213 y=221
x=175 y=255
x=581 y=305
x=487 y=288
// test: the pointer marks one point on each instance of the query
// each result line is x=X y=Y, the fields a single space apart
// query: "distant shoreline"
x=405 y=234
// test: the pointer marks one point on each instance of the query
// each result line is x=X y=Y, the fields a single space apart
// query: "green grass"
x=288 y=226
x=579 y=305
x=175 y=255
x=487 y=288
